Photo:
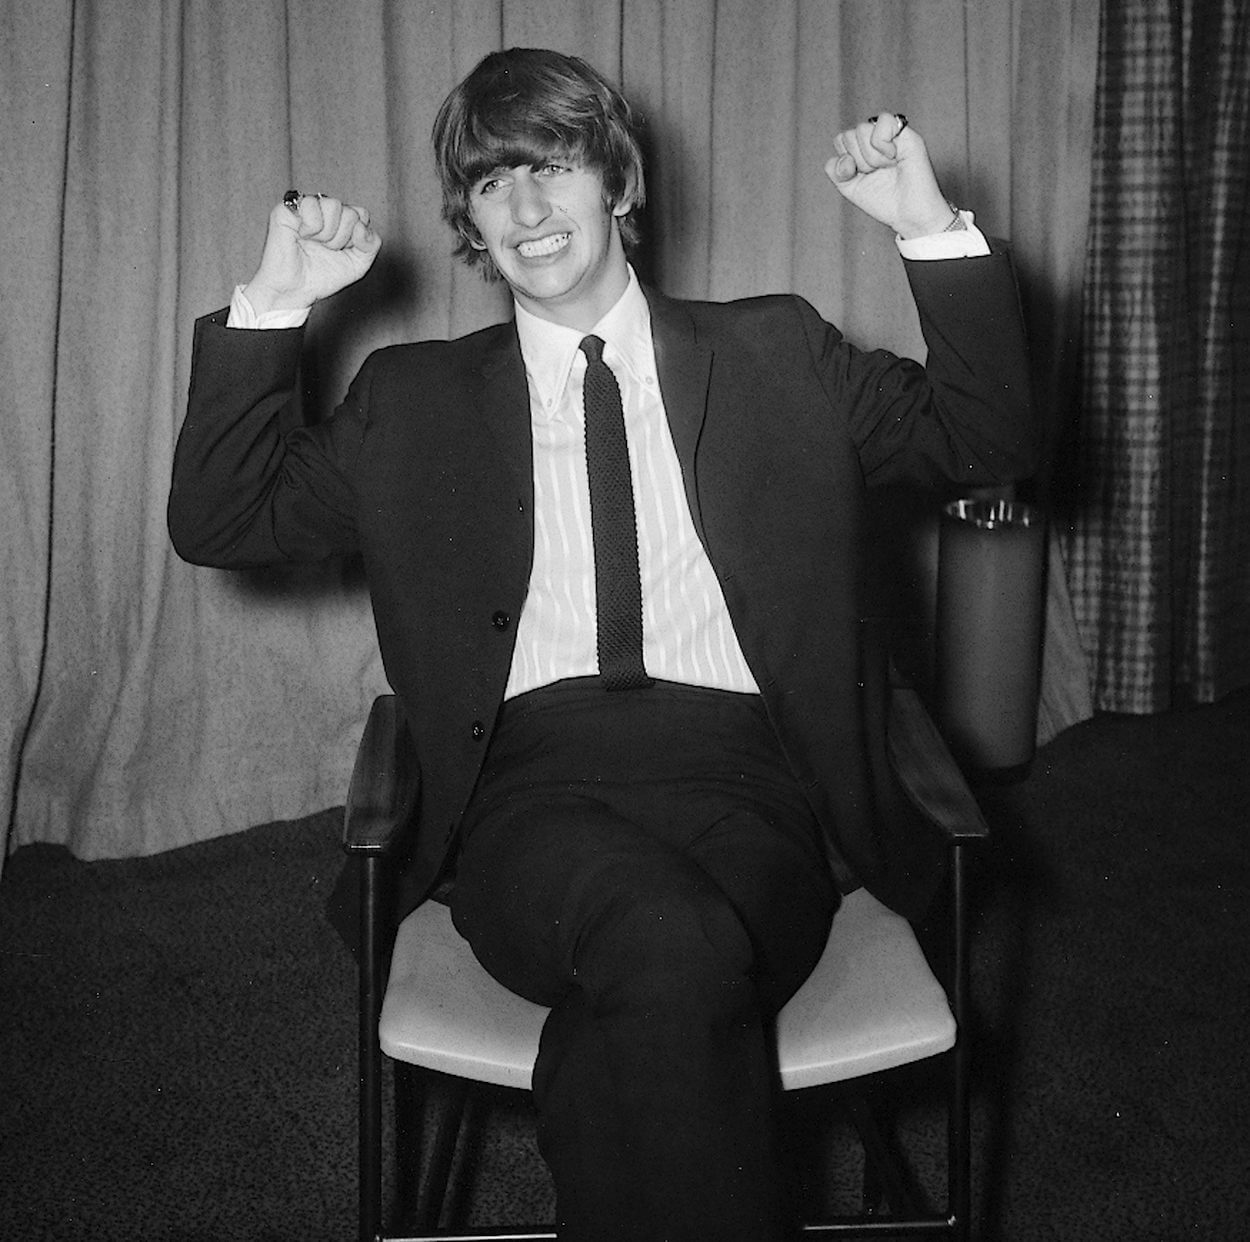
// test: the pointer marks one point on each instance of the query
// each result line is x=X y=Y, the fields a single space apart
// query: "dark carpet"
x=178 y=1042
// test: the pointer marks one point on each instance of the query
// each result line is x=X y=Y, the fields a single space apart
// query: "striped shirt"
x=687 y=633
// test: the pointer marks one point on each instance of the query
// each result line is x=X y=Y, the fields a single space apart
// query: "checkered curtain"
x=1159 y=537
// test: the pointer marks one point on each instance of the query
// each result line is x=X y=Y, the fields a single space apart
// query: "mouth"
x=544 y=246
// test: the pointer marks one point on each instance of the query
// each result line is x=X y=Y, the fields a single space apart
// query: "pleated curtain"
x=148 y=704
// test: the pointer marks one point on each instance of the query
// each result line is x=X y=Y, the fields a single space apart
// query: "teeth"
x=545 y=245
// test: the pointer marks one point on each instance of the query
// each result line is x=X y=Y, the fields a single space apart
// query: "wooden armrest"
x=928 y=772
x=383 y=791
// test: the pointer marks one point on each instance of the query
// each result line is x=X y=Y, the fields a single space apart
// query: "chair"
x=872 y=1004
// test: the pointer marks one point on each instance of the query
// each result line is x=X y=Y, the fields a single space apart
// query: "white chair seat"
x=871 y=1004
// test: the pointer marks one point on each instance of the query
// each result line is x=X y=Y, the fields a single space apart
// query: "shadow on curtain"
x=1158 y=531
x=149 y=704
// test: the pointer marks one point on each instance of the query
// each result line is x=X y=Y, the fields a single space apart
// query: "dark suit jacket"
x=425 y=470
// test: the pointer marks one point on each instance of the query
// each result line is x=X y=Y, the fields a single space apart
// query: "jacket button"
x=501 y=620
x=478 y=729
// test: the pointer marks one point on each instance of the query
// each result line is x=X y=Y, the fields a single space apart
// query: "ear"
x=626 y=203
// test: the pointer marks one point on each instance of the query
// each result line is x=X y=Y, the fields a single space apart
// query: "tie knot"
x=592 y=347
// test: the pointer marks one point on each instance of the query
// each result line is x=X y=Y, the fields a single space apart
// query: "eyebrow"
x=516 y=155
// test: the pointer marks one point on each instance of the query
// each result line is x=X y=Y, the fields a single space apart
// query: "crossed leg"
x=665 y=926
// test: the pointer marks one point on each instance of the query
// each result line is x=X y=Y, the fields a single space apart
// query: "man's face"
x=553 y=238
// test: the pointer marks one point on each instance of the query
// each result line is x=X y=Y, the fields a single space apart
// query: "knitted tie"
x=618 y=588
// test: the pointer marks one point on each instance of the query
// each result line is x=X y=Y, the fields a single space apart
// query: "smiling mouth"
x=543 y=246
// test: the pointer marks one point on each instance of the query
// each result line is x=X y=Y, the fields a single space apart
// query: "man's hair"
x=522 y=107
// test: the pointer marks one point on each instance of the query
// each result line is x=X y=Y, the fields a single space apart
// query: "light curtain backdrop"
x=148 y=704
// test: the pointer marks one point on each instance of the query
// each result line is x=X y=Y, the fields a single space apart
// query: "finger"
x=365 y=239
x=846 y=164
x=353 y=226
x=304 y=215
x=286 y=215
x=362 y=236
x=841 y=167
x=858 y=143
x=329 y=212
x=886 y=128
x=344 y=226
x=876 y=141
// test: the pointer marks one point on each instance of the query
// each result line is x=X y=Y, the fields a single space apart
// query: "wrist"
x=244 y=315
x=264 y=300
x=946 y=219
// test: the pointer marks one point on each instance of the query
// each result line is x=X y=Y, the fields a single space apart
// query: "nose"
x=528 y=201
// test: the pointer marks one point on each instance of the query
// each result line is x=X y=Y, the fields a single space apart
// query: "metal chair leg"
x=444 y=1102
x=370 y=1054
x=960 y=1172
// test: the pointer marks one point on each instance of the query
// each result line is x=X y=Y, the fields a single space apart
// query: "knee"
x=666 y=944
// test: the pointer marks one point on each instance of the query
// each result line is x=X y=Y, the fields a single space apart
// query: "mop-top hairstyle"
x=526 y=106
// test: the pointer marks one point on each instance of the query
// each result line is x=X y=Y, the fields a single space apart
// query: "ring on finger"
x=900 y=117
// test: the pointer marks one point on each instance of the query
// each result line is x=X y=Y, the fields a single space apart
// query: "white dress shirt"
x=687 y=634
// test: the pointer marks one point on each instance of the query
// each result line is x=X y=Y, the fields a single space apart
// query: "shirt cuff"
x=962 y=243
x=243 y=316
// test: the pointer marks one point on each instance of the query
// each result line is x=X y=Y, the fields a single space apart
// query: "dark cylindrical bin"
x=990 y=594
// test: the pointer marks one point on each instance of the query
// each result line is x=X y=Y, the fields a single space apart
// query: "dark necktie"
x=618 y=588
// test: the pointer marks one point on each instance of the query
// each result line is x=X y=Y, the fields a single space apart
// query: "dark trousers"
x=644 y=863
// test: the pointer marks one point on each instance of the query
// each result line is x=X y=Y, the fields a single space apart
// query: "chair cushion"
x=871 y=1004
x=442 y=1010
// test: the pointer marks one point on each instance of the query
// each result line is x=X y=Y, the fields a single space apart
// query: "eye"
x=553 y=168
x=489 y=185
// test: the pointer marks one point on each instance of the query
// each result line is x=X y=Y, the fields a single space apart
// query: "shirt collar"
x=551 y=350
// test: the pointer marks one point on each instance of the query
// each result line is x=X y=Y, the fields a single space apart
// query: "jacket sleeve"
x=966 y=415
x=245 y=491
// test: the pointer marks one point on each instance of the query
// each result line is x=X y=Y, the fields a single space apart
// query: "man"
x=648 y=724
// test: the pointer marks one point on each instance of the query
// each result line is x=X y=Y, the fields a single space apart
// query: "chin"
x=545 y=285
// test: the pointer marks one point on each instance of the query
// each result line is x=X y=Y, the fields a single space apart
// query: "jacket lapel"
x=504 y=411
x=684 y=367
x=497 y=455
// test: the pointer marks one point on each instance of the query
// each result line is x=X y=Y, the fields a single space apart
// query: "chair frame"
x=377 y=821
